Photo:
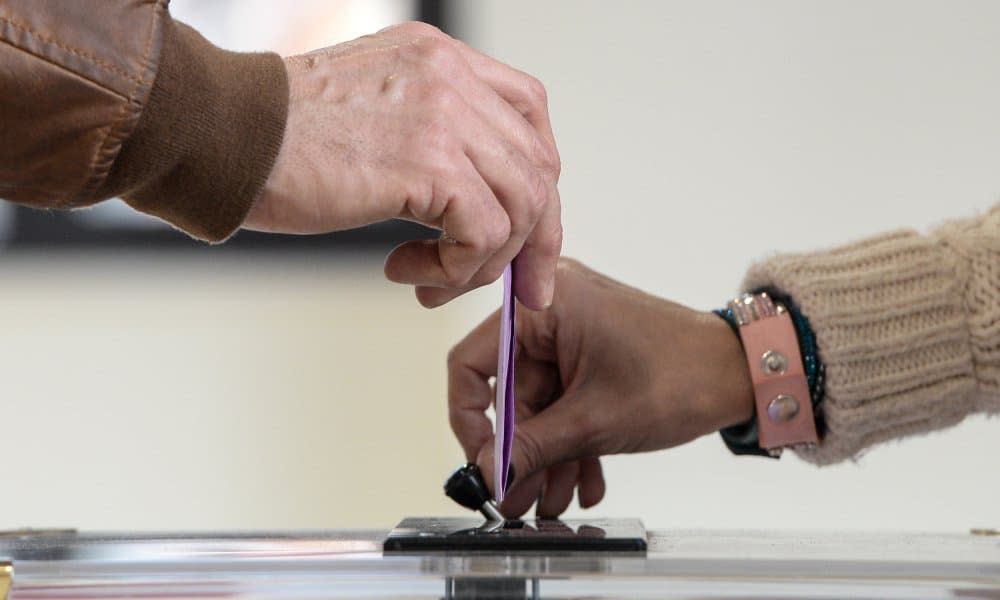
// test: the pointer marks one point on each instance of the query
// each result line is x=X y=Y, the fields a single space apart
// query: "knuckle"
x=439 y=156
x=538 y=196
x=442 y=99
x=487 y=276
x=531 y=452
x=456 y=277
x=439 y=53
x=421 y=197
x=551 y=242
x=454 y=421
x=592 y=429
x=546 y=157
x=494 y=274
x=489 y=236
x=525 y=210
x=419 y=29
x=453 y=359
x=537 y=93
x=552 y=161
x=497 y=234
x=436 y=141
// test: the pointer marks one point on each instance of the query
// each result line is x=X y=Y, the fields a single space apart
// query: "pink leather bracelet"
x=781 y=391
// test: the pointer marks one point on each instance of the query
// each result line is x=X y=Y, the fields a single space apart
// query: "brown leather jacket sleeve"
x=104 y=98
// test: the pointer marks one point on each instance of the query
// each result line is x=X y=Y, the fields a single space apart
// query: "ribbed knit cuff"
x=207 y=138
x=891 y=328
x=977 y=244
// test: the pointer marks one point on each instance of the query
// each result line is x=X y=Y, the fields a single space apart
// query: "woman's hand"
x=606 y=369
x=409 y=123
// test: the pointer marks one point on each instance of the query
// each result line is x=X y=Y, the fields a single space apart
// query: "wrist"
x=264 y=214
x=733 y=395
x=206 y=179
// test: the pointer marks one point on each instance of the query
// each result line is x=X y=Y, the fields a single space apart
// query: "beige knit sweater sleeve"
x=908 y=326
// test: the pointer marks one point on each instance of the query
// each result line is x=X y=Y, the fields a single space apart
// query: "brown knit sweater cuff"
x=207 y=138
x=892 y=327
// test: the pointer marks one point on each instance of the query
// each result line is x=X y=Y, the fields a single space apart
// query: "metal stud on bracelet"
x=773 y=362
x=782 y=407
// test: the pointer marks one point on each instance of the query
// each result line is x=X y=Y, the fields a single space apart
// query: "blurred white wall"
x=844 y=118
x=161 y=393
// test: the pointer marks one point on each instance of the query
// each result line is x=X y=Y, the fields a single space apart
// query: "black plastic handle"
x=467 y=487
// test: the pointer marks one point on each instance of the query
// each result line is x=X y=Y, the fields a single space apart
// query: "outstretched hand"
x=606 y=369
x=410 y=123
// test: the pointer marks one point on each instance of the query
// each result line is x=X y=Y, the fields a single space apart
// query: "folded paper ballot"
x=504 y=434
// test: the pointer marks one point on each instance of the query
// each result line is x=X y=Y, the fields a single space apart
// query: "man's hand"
x=410 y=123
x=606 y=369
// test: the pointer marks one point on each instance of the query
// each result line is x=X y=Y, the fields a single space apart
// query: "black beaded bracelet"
x=744 y=438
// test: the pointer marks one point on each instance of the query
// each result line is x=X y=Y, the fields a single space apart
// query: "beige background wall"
x=158 y=393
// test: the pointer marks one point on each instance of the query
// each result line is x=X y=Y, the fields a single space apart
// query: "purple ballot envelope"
x=505 y=389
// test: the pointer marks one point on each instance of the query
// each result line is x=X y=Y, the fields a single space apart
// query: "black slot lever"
x=467 y=487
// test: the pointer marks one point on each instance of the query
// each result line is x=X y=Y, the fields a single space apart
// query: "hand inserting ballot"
x=410 y=123
x=606 y=369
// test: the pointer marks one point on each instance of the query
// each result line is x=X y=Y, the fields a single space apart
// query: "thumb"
x=562 y=432
x=522 y=492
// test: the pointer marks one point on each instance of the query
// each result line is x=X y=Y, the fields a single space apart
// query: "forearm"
x=207 y=139
x=908 y=326
x=107 y=99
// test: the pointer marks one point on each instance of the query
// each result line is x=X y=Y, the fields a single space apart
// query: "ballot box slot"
x=458 y=535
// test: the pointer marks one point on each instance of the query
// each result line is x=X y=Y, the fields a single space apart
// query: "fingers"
x=476 y=227
x=555 y=443
x=523 y=92
x=514 y=153
x=535 y=267
x=526 y=94
x=410 y=123
x=528 y=198
x=520 y=166
x=592 y=484
x=551 y=489
x=522 y=495
x=558 y=492
x=473 y=361
x=527 y=195
x=560 y=433
x=523 y=492
x=470 y=365
x=584 y=474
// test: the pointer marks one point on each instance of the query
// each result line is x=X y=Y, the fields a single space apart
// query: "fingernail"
x=549 y=292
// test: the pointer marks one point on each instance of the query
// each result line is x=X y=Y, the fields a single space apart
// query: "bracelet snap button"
x=782 y=408
x=773 y=363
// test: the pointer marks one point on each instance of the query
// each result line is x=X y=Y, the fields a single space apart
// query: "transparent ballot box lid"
x=351 y=564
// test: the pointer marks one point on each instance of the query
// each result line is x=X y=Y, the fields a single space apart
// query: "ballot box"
x=351 y=564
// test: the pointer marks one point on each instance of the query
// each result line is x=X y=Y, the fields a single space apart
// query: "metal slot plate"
x=532 y=536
